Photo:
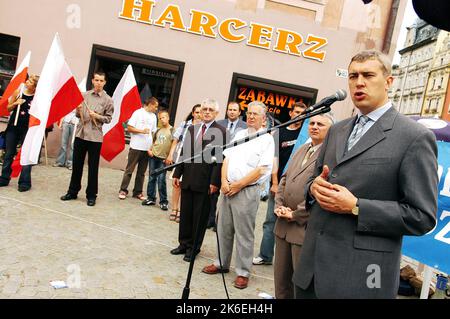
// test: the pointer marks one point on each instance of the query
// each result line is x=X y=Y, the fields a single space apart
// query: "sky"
x=408 y=19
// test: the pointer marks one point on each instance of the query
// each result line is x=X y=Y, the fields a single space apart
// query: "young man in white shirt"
x=142 y=125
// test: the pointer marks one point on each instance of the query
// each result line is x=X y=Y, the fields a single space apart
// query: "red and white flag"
x=126 y=100
x=19 y=78
x=56 y=95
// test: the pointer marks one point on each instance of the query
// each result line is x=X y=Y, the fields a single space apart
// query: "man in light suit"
x=291 y=215
x=233 y=123
x=375 y=180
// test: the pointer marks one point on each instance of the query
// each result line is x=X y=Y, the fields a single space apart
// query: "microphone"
x=340 y=95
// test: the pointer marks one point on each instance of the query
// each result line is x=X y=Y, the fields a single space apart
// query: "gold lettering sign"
x=231 y=29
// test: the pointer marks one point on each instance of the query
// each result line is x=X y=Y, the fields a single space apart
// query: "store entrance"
x=155 y=76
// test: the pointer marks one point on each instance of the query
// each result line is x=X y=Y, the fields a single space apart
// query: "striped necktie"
x=308 y=155
x=357 y=132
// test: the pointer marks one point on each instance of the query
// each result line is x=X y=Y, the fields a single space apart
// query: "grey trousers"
x=286 y=258
x=139 y=158
x=236 y=217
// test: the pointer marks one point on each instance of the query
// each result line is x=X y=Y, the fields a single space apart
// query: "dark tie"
x=231 y=126
x=357 y=132
x=200 y=136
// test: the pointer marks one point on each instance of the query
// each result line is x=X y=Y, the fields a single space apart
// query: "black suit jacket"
x=201 y=172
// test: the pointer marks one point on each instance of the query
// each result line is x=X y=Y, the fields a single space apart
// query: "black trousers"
x=80 y=149
x=195 y=207
x=13 y=137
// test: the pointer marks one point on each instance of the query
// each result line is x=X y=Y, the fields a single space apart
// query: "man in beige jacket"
x=292 y=218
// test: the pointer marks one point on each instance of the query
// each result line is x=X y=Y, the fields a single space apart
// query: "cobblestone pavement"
x=117 y=249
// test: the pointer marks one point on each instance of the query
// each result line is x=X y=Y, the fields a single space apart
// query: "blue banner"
x=433 y=249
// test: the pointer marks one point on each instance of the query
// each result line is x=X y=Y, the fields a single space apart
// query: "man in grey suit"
x=233 y=123
x=375 y=181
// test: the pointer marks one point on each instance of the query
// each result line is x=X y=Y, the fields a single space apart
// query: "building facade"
x=276 y=51
x=421 y=78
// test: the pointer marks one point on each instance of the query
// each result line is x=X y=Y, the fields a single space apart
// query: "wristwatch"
x=355 y=210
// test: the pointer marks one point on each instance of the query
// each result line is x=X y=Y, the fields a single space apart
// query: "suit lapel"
x=308 y=163
x=373 y=136
x=342 y=137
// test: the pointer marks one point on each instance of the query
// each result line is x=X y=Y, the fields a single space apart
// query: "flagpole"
x=18 y=106
x=45 y=150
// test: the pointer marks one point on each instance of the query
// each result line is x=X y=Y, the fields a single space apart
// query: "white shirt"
x=71 y=118
x=374 y=116
x=141 y=119
x=232 y=129
x=244 y=158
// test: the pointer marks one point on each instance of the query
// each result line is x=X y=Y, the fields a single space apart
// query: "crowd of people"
x=338 y=205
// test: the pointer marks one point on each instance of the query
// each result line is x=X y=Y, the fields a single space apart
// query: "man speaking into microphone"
x=375 y=181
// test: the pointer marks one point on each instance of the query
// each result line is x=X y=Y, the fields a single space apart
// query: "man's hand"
x=145 y=131
x=168 y=160
x=225 y=187
x=337 y=200
x=320 y=184
x=93 y=115
x=274 y=189
x=150 y=153
x=235 y=188
x=176 y=183
x=284 y=212
x=19 y=102
x=213 y=189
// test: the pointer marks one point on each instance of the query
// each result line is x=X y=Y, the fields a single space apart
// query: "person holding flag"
x=96 y=110
x=19 y=106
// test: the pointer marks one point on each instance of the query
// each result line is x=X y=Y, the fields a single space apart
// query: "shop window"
x=277 y=96
x=155 y=76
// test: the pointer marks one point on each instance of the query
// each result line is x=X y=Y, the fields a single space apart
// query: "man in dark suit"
x=200 y=178
x=233 y=122
x=375 y=181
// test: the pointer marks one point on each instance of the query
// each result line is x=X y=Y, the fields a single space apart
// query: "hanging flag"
x=15 y=166
x=18 y=79
x=126 y=100
x=56 y=95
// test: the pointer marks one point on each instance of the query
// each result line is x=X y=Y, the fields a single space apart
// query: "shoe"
x=187 y=258
x=122 y=195
x=265 y=198
x=69 y=196
x=23 y=188
x=241 y=282
x=91 y=202
x=57 y=165
x=178 y=251
x=177 y=218
x=69 y=168
x=140 y=196
x=212 y=270
x=148 y=202
x=164 y=206
x=259 y=261
x=173 y=215
x=3 y=184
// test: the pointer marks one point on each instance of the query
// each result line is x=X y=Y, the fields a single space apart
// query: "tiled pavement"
x=117 y=249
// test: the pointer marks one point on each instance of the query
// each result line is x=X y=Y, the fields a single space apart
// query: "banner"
x=433 y=249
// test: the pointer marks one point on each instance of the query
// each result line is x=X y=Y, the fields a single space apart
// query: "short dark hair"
x=363 y=56
x=99 y=73
x=164 y=111
x=299 y=104
x=151 y=100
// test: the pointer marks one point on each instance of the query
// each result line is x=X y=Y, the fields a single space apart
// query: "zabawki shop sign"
x=233 y=30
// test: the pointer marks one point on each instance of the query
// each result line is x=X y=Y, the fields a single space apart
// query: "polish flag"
x=19 y=78
x=126 y=100
x=57 y=94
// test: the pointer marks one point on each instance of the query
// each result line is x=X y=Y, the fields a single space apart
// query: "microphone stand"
x=202 y=222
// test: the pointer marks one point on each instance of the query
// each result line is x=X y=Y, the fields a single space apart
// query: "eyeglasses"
x=208 y=109
x=253 y=114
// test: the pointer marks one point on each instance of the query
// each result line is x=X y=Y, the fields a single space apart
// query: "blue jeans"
x=155 y=163
x=66 y=140
x=268 y=241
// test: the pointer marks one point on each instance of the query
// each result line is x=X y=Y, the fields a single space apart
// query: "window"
x=9 y=49
x=277 y=96
x=155 y=76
